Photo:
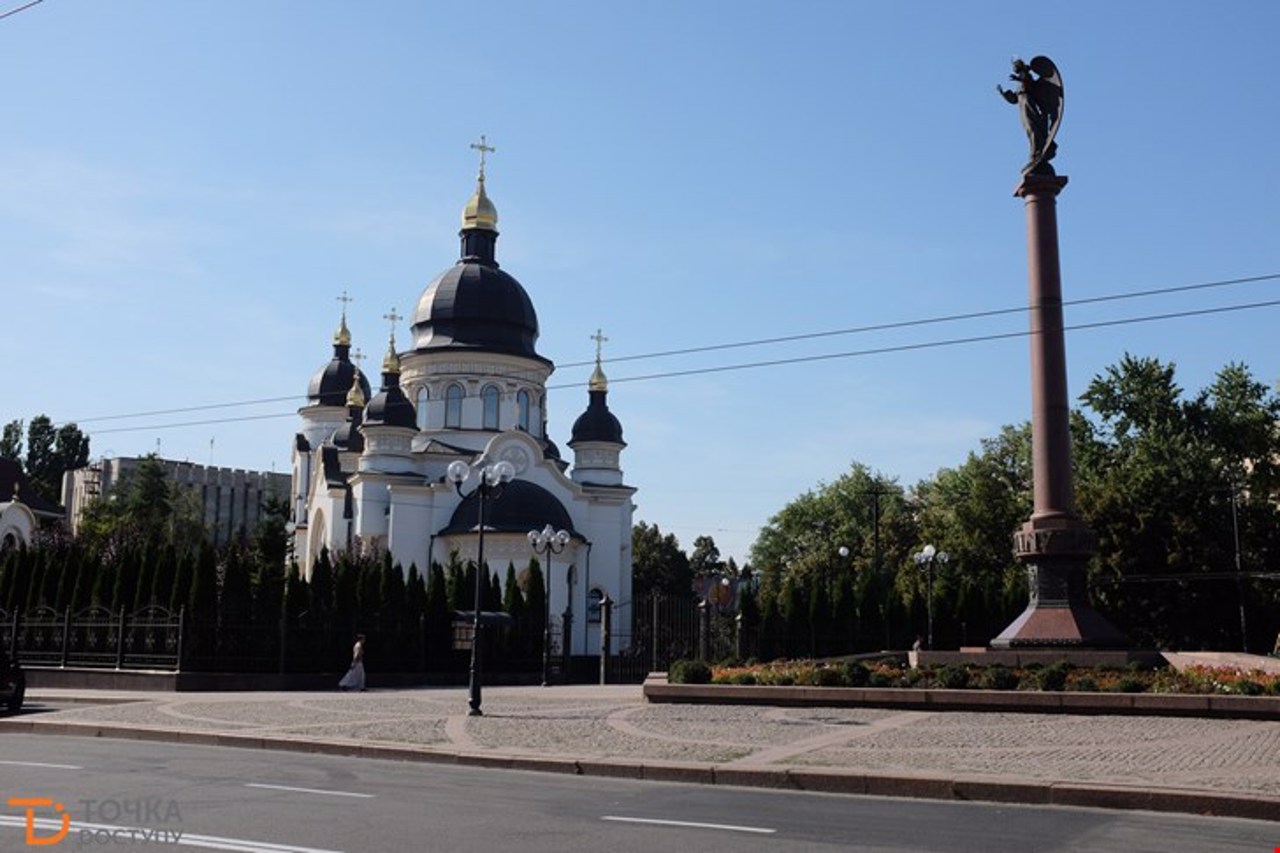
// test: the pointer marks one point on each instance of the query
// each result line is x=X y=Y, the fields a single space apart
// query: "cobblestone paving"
x=615 y=722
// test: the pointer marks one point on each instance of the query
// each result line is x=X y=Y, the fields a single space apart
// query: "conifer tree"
x=512 y=598
x=415 y=594
x=321 y=583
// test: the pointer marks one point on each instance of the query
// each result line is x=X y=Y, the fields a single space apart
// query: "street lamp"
x=492 y=479
x=928 y=557
x=547 y=541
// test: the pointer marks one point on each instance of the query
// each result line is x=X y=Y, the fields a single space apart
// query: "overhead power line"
x=4 y=15
x=673 y=374
x=949 y=318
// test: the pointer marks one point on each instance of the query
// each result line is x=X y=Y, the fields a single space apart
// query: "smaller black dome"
x=597 y=423
x=522 y=506
x=390 y=407
x=331 y=383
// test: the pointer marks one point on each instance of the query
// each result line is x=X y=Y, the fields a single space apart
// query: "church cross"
x=393 y=318
x=484 y=149
x=358 y=357
x=345 y=300
x=599 y=339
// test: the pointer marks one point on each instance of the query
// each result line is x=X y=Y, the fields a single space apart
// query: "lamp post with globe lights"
x=547 y=541
x=927 y=559
x=492 y=478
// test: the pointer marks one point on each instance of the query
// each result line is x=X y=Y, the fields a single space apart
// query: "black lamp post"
x=492 y=479
x=547 y=541
x=928 y=557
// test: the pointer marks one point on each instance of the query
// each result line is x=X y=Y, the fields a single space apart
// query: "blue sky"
x=185 y=187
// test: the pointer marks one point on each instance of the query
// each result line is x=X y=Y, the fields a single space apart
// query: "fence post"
x=66 y=635
x=606 y=631
x=566 y=653
x=182 y=624
x=120 y=642
x=653 y=666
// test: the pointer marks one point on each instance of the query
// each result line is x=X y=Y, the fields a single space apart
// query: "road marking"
x=40 y=764
x=759 y=830
x=176 y=837
x=309 y=791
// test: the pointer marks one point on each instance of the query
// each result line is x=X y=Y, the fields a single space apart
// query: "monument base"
x=1058 y=615
x=1070 y=626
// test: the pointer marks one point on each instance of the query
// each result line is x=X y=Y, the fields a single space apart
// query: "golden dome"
x=342 y=337
x=480 y=212
x=391 y=364
x=355 y=397
x=598 y=381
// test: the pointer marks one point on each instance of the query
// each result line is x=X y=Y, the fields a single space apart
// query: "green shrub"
x=1000 y=677
x=829 y=676
x=1086 y=684
x=1274 y=688
x=953 y=677
x=1054 y=676
x=784 y=679
x=1249 y=687
x=880 y=679
x=689 y=672
x=747 y=678
x=1131 y=684
x=856 y=673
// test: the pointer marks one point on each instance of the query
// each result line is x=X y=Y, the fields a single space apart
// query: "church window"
x=522 y=403
x=593 y=605
x=490 y=396
x=453 y=407
x=423 y=396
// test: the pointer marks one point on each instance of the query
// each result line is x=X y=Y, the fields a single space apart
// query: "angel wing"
x=1049 y=95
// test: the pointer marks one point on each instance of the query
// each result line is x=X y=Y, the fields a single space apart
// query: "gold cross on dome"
x=344 y=299
x=599 y=339
x=393 y=318
x=484 y=149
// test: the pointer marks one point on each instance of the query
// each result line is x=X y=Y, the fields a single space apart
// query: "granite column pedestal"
x=1054 y=544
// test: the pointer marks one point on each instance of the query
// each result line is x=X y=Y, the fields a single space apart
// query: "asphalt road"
x=234 y=799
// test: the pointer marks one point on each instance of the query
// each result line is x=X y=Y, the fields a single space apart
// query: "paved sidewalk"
x=1167 y=763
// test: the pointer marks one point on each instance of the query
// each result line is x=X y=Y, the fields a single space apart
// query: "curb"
x=657 y=690
x=825 y=780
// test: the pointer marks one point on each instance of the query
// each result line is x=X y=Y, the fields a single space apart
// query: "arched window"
x=542 y=411
x=453 y=407
x=522 y=403
x=423 y=397
x=489 y=396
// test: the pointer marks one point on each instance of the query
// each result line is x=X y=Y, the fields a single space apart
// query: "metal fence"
x=147 y=638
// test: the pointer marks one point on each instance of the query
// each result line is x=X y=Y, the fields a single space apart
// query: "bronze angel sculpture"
x=1039 y=101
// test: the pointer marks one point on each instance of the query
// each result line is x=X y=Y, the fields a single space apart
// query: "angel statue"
x=1039 y=101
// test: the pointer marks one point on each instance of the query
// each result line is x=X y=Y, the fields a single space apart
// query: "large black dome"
x=522 y=506
x=331 y=383
x=476 y=306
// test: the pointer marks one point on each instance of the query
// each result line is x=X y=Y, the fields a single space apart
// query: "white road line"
x=309 y=791
x=759 y=830
x=175 y=837
x=40 y=764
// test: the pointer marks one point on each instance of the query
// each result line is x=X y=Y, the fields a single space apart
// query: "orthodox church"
x=370 y=469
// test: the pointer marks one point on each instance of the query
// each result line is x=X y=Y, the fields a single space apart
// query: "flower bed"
x=1054 y=677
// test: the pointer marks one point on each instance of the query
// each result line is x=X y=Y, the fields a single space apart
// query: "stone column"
x=1054 y=544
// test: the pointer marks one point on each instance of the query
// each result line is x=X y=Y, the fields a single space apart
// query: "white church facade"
x=369 y=468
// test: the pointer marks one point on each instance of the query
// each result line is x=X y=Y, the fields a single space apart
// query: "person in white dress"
x=354 y=679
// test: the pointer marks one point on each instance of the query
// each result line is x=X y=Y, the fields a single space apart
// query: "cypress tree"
x=439 y=617
x=235 y=598
x=455 y=583
x=468 y=592
x=165 y=575
x=142 y=591
x=68 y=559
x=183 y=577
x=512 y=598
x=392 y=592
x=35 y=585
x=104 y=583
x=369 y=590
x=415 y=596
x=321 y=583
